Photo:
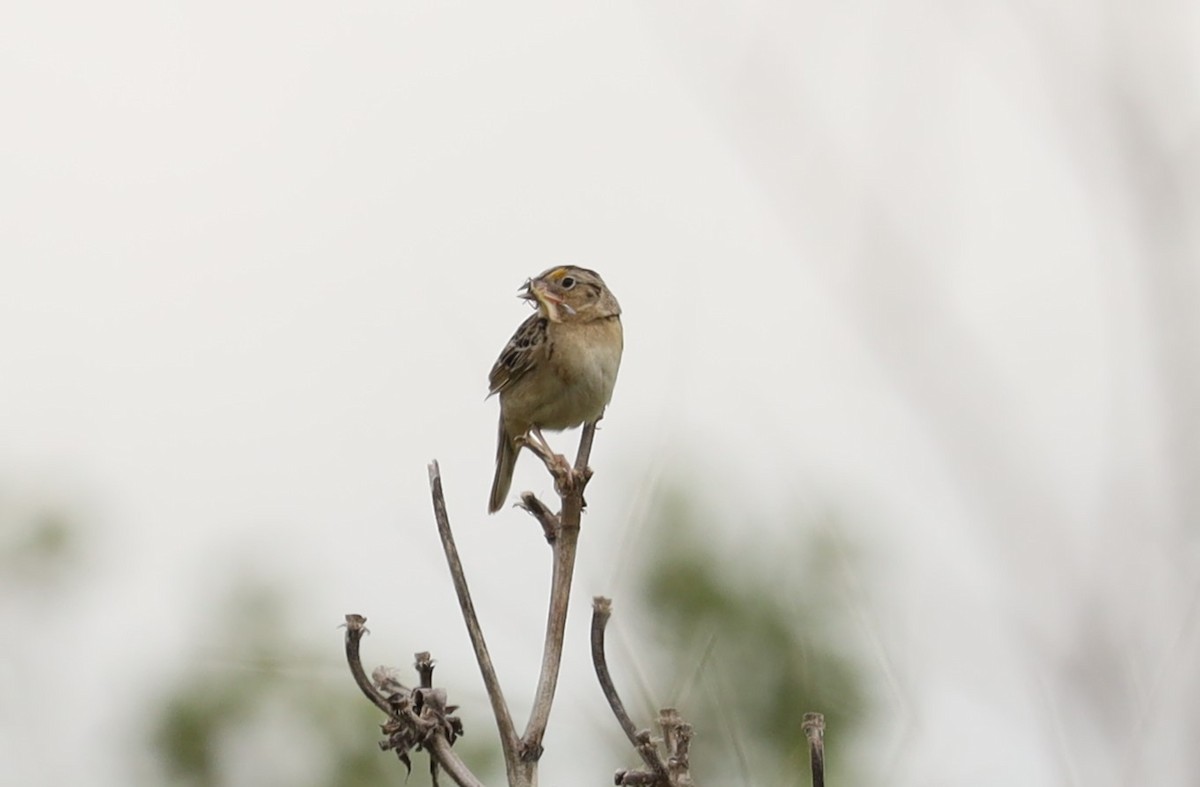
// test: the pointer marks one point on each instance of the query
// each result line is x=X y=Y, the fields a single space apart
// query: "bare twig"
x=417 y=718
x=545 y=517
x=356 y=627
x=440 y=751
x=655 y=777
x=585 y=445
x=601 y=611
x=504 y=723
x=424 y=665
x=420 y=717
x=675 y=770
x=556 y=626
x=814 y=730
x=677 y=737
x=570 y=484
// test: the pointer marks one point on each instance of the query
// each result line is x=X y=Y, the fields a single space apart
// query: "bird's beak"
x=547 y=302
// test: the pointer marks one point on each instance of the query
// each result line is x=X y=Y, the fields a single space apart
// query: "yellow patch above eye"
x=557 y=274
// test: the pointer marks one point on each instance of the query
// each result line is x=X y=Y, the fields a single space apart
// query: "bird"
x=560 y=367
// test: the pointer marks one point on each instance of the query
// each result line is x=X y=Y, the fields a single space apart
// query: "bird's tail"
x=506 y=461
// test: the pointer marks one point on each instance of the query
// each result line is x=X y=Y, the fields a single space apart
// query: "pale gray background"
x=933 y=261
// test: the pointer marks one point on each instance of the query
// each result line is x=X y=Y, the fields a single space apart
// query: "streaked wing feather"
x=519 y=354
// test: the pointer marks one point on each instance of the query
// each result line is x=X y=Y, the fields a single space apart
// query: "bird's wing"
x=519 y=355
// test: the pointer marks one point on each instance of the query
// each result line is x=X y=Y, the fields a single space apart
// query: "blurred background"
x=907 y=430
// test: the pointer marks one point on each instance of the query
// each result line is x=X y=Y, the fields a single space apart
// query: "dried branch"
x=677 y=737
x=675 y=769
x=439 y=749
x=545 y=517
x=418 y=718
x=601 y=612
x=356 y=628
x=814 y=730
x=504 y=723
x=570 y=483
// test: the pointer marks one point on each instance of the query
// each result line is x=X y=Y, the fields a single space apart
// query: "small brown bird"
x=559 y=368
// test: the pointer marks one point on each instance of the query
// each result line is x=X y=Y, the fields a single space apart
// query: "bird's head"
x=571 y=294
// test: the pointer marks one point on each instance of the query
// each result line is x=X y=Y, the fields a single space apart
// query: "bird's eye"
x=567 y=283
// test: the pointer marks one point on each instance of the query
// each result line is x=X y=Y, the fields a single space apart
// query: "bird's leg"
x=536 y=431
x=537 y=446
x=557 y=464
x=561 y=465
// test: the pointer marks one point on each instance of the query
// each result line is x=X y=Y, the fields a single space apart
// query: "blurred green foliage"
x=39 y=539
x=758 y=633
x=754 y=633
x=271 y=714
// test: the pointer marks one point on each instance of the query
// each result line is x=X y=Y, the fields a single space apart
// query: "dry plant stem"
x=570 y=485
x=601 y=611
x=585 y=445
x=545 y=517
x=677 y=735
x=439 y=749
x=814 y=730
x=437 y=745
x=508 y=732
x=356 y=627
x=675 y=769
